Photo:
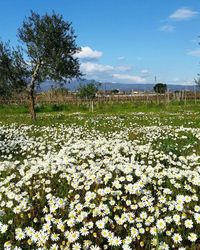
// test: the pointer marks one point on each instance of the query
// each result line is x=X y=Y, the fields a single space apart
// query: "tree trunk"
x=195 y=95
x=32 y=104
x=31 y=91
x=92 y=106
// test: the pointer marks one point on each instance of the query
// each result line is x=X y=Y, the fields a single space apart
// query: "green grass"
x=109 y=107
x=140 y=114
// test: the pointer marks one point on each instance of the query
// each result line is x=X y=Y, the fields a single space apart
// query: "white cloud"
x=129 y=78
x=195 y=52
x=88 y=53
x=92 y=68
x=145 y=73
x=123 y=68
x=167 y=28
x=181 y=81
x=104 y=72
x=121 y=58
x=183 y=14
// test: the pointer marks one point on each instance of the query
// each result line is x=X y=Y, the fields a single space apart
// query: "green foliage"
x=88 y=91
x=174 y=114
x=48 y=52
x=160 y=88
x=49 y=41
x=13 y=72
x=115 y=91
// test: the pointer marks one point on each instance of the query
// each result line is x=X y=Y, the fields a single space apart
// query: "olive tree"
x=88 y=92
x=47 y=51
x=50 y=48
x=160 y=88
x=13 y=71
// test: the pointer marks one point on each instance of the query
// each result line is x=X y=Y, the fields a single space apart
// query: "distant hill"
x=74 y=85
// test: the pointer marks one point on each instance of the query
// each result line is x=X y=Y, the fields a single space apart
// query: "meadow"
x=124 y=177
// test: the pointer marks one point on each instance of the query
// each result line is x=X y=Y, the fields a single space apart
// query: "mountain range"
x=75 y=84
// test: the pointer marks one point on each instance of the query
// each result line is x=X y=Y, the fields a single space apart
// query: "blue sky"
x=123 y=41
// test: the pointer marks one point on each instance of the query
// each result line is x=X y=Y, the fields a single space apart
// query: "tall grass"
x=107 y=107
